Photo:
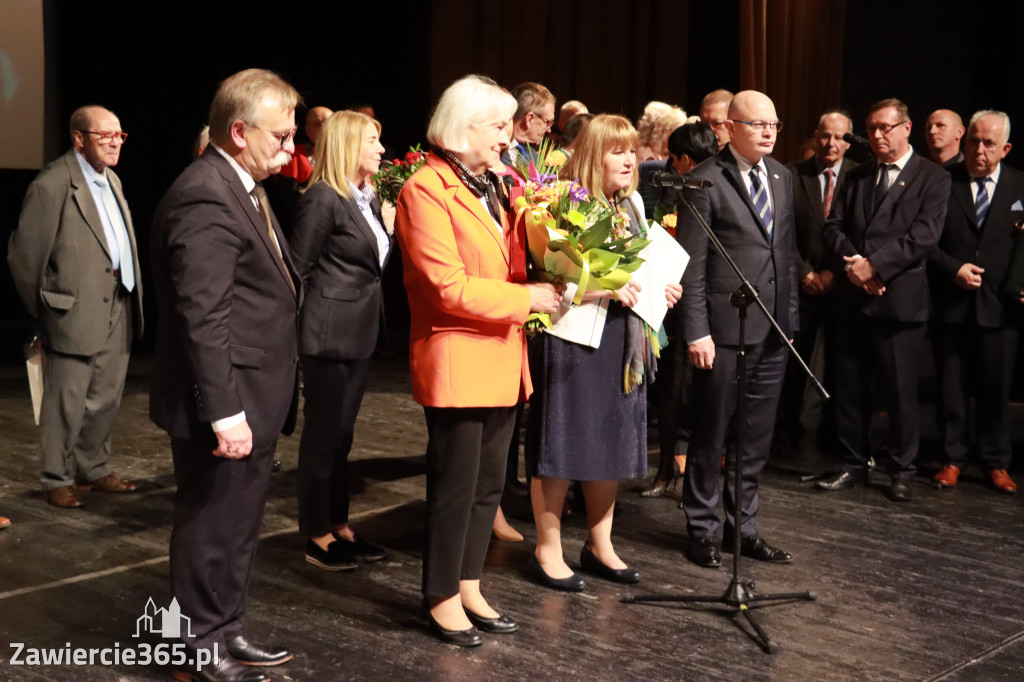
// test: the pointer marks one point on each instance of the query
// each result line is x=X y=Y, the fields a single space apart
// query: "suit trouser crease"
x=333 y=391
x=892 y=348
x=981 y=359
x=218 y=510
x=714 y=399
x=81 y=398
x=467 y=454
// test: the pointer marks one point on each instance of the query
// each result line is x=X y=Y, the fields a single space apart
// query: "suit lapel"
x=364 y=228
x=812 y=187
x=962 y=193
x=471 y=203
x=83 y=199
x=245 y=204
x=732 y=171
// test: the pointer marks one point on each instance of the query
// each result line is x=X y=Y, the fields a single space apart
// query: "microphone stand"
x=739 y=594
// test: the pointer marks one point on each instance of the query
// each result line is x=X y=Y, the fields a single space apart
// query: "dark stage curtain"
x=611 y=55
x=792 y=50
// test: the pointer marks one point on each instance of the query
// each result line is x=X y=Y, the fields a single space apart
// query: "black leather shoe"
x=703 y=552
x=900 y=490
x=756 y=548
x=248 y=652
x=463 y=638
x=361 y=549
x=573 y=583
x=501 y=625
x=334 y=558
x=226 y=670
x=591 y=564
x=842 y=481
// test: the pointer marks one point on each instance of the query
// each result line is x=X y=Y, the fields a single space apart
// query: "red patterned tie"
x=830 y=188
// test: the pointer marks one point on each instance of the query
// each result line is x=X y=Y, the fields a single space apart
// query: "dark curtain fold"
x=792 y=51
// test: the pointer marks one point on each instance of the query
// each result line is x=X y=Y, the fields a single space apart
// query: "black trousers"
x=218 y=510
x=714 y=405
x=466 y=458
x=863 y=345
x=977 y=360
x=815 y=322
x=333 y=391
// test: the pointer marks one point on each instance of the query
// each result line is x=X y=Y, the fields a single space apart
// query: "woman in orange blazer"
x=467 y=350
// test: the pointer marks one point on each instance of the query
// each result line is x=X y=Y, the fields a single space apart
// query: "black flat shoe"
x=248 y=652
x=591 y=564
x=657 y=489
x=501 y=625
x=361 y=549
x=463 y=638
x=573 y=583
x=334 y=558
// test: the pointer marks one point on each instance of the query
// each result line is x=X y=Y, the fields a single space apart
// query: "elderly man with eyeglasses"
x=535 y=114
x=885 y=220
x=76 y=267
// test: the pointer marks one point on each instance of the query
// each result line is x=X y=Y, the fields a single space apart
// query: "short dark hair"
x=900 y=107
x=530 y=97
x=573 y=127
x=696 y=140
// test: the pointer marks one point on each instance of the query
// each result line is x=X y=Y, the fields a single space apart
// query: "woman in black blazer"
x=340 y=247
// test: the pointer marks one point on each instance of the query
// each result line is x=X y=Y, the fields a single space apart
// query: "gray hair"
x=81 y=118
x=471 y=100
x=836 y=112
x=240 y=98
x=1001 y=115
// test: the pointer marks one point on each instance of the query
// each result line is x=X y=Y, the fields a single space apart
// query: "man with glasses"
x=714 y=110
x=884 y=221
x=224 y=382
x=76 y=267
x=750 y=209
x=535 y=114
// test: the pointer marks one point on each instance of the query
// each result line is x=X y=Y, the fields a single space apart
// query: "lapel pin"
x=775 y=175
x=902 y=184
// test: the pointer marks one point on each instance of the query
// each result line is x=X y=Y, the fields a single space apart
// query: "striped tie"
x=759 y=195
x=981 y=203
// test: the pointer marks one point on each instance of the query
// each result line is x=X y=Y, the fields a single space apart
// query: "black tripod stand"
x=740 y=594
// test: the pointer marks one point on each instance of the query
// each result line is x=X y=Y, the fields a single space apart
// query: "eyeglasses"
x=282 y=138
x=107 y=138
x=759 y=126
x=548 y=122
x=885 y=129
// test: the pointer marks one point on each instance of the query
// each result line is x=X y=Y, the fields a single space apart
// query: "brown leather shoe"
x=1002 y=481
x=63 y=496
x=947 y=477
x=110 y=483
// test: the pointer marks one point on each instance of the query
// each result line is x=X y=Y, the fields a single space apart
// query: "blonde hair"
x=657 y=123
x=338 y=150
x=471 y=100
x=605 y=133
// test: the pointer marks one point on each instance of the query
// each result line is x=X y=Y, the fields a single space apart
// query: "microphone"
x=855 y=139
x=666 y=179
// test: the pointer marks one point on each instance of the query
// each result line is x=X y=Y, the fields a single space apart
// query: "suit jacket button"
x=106 y=299
x=108 y=270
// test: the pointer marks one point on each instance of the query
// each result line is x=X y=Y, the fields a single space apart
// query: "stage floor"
x=933 y=589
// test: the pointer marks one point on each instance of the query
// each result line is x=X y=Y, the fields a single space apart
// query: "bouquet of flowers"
x=392 y=174
x=571 y=235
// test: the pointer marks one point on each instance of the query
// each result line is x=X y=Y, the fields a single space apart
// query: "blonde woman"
x=340 y=248
x=607 y=440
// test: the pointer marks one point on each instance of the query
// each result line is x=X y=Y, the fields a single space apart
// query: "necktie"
x=882 y=188
x=263 y=205
x=759 y=195
x=121 y=249
x=981 y=203
x=830 y=188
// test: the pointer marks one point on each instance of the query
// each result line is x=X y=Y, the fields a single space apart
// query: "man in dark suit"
x=815 y=182
x=224 y=383
x=943 y=130
x=750 y=209
x=885 y=220
x=76 y=267
x=977 y=324
x=535 y=114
